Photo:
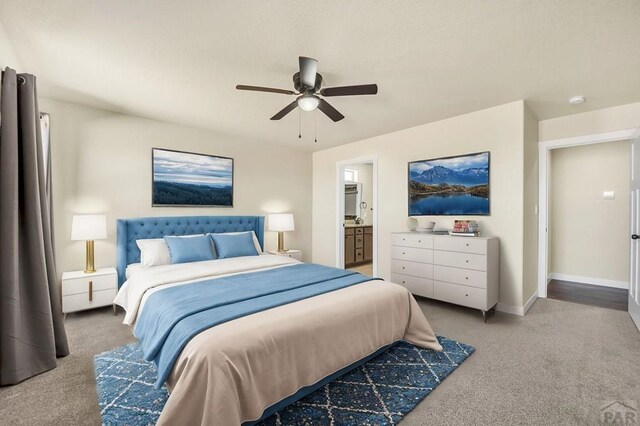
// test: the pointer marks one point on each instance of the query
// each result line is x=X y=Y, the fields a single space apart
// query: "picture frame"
x=457 y=185
x=189 y=179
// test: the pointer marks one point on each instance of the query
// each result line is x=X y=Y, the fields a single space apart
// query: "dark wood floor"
x=586 y=294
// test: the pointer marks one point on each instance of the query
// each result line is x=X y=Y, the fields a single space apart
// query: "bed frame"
x=130 y=230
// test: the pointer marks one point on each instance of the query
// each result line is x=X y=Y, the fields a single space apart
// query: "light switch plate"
x=609 y=195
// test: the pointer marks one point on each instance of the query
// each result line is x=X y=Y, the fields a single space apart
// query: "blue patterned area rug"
x=380 y=392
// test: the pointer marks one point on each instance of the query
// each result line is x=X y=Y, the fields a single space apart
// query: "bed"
x=237 y=339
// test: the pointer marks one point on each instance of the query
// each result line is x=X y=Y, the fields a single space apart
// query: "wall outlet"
x=609 y=195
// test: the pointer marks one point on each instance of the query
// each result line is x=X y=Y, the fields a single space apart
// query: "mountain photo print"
x=189 y=179
x=450 y=186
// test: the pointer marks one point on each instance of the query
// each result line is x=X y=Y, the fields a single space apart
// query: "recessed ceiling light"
x=577 y=100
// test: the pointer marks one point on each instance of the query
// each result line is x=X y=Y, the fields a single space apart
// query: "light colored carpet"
x=557 y=365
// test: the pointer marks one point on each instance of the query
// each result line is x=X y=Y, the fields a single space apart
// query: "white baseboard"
x=517 y=310
x=510 y=309
x=588 y=280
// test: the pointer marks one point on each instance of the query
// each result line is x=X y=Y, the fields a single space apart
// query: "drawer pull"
x=404 y=239
x=466 y=295
x=403 y=253
x=403 y=282
x=466 y=278
x=419 y=241
x=403 y=267
x=90 y=291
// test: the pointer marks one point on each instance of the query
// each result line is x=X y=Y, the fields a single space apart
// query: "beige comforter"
x=232 y=372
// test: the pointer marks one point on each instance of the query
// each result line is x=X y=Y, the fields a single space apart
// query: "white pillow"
x=256 y=243
x=155 y=252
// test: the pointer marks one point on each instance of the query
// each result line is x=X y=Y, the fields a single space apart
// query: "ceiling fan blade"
x=308 y=71
x=363 y=89
x=286 y=110
x=265 y=89
x=330 y=111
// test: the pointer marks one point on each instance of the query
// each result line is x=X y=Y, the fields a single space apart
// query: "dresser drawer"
x=359 y=231
x=359 y=241
x=81 y=285
x=460 y=276
x=359 y=255
x=409 y=240
x=80 y=302
x=461 y=244
x=460 y=260
x=368 y=230
x=412 y=254
x=460 y=295
x=416 y=285
x=349 y=231
x=416 y=269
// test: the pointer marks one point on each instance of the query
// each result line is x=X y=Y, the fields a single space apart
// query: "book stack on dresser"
x=459 y=270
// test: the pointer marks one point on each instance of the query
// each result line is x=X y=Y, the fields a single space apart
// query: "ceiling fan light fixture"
x=308 y=102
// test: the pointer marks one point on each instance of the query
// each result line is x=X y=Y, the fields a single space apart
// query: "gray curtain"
x=32 y=331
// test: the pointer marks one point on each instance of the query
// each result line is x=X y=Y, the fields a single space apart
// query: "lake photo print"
x=450 y=186
x=189 y=179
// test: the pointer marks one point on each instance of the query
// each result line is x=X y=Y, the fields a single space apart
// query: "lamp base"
x=281 y=248
x=89 y=267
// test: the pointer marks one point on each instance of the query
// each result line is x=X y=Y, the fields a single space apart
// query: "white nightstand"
x=296 y=254
x=81 y=291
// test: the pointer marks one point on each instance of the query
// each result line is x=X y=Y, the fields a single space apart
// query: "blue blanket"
x=173 y=316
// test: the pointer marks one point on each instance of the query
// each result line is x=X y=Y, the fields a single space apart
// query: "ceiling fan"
x=307 y=83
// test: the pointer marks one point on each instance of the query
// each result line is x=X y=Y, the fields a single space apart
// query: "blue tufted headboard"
x=130 y=230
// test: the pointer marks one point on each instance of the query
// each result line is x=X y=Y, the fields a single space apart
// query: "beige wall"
x=498 y=129
x=530 y=226
x=590 y=234
x=102 y=164
x=365 y=177
x=7 y=54
x=589 y=123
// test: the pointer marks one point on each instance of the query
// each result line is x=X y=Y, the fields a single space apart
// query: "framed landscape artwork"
x=456 y=185
x=189 y=179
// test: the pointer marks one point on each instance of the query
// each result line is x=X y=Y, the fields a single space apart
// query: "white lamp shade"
x=281 y=222
x=89 y=227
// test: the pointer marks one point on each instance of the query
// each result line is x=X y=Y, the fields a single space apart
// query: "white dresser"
x=460 y=270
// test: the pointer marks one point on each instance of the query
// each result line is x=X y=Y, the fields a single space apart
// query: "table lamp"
x=281 y=223
x=88 y=228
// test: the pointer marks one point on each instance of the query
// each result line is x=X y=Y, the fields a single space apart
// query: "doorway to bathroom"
x=356 y=216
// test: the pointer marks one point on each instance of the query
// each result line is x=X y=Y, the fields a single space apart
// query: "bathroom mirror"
x=352 y=200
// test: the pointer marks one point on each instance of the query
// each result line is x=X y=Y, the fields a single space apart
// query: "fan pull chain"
x=315 y=127
x=299 y=124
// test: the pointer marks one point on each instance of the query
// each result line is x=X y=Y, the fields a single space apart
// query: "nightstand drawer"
x=81 y=285
x=294 y=254
x=80 y=302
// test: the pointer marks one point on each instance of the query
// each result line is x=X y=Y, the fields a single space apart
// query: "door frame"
x=340 y=166
x=544 y=157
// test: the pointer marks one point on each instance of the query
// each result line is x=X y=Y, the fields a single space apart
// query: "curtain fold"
x=32 y=331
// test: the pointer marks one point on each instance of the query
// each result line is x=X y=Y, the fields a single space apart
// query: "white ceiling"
x=179 y=61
